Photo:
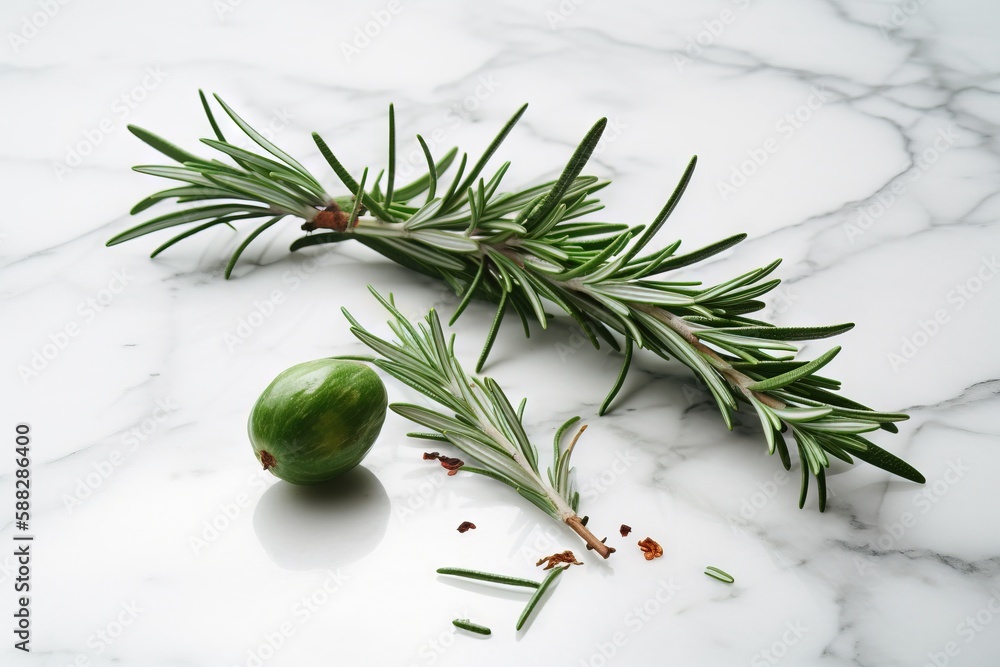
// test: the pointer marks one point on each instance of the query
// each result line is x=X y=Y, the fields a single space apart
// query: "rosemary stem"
x=601 y=548
x=739 y=380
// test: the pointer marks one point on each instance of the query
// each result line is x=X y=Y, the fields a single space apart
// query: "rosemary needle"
x=533 y=602
x=716 y=573
x=466 y=624
x=488 y=576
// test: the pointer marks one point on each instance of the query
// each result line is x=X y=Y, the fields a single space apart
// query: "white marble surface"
x=875 y=124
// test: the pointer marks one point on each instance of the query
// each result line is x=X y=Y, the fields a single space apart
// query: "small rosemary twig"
x=483 y=424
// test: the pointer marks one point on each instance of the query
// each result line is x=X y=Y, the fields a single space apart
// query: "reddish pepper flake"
x=449 y=463
x=466 y=526
x=555 y=559
x=625 y=530
x=650 y=549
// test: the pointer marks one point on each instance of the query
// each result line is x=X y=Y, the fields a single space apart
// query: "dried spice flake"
x=449 y=463
x=331 y=217
x=466 y=526
x=555 y=559
x=650 y=549
x=625 y=530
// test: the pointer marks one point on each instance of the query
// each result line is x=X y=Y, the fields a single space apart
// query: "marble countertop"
x=857 y=140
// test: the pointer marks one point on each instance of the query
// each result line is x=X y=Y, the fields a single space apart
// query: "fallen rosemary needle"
x=488 y=576
x=527 y=247
x=536 y=598
x=483 y=424
x=540 y=588
x=466 y=624
x=716 y=573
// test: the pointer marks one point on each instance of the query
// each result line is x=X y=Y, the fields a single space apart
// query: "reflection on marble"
x=329 y=525
x=857 y=140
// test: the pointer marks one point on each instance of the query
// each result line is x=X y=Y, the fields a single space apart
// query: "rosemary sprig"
x=526 y=248
x=483 y=424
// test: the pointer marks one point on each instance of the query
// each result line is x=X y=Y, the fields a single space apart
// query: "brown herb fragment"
x=466 y=526
x=650 y=549
x=330 y=217
x=625 y=530
x=553 y=560
x=266 y=459
x=449 y=463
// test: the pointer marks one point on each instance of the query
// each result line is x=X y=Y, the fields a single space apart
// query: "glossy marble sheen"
x=857 y=140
